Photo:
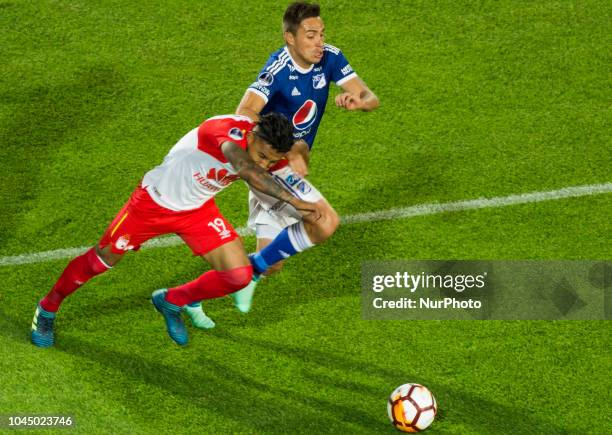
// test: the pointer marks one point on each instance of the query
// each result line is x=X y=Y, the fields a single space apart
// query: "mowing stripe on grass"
x=394 y=213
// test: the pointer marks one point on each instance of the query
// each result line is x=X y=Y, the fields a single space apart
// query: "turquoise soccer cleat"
x=172 y=315
x=243 y=299
x=42 y=328
x=198 y=317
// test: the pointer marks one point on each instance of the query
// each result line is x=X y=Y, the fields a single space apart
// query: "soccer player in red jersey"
x=178 y=197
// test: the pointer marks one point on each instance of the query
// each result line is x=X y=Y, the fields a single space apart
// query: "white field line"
x=391 y=214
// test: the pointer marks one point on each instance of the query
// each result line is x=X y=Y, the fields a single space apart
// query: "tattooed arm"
x=260 y=179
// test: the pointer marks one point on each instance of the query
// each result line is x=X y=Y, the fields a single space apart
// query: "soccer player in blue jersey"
x=294 y=81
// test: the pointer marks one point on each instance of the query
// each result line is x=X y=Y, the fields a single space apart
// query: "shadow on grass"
x=489 y=417
x=216 y=386
x=43 y=118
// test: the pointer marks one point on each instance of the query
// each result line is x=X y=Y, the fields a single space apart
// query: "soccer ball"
x=412 y=408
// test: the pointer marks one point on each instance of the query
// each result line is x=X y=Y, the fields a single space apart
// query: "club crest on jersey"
x=265 y=78
x=318 y=81
x=303 y=187
x=123 y=243
x=236 y=134
x=292 y=180
x=305 y=115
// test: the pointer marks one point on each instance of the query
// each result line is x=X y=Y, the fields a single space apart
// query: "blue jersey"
x=301 y=94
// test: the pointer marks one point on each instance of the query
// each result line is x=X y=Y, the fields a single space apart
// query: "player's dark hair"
x=296 y=13
x=276 y=130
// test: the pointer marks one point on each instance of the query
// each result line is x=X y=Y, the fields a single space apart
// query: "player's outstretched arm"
x=250 y=105
x=299 y=157
x=261 y=180
x=357 y=96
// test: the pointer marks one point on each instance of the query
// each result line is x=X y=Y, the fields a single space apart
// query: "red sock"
x=78 y=272
x=212 y=284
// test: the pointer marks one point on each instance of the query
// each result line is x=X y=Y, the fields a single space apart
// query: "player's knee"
x=237 y=278
x=108 y=256
x=326 y=226
x=334 y=222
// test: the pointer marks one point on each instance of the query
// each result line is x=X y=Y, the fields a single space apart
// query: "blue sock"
x=287 y=243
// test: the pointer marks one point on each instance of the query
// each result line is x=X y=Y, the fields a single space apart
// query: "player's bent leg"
x=282 y=244
x=282 y=233
x=232 y=271
x=78 y=272
x=297 y=237
x=323 y=228
x=274 y=268
x=243 y=298
x=227 y=257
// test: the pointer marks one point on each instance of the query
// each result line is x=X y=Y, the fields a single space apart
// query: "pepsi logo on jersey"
x=305 y=115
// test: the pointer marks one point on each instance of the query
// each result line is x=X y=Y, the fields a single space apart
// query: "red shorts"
x=141 y=219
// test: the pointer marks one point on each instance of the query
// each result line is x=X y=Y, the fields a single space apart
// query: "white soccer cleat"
x=243 y=299
x=198 y=317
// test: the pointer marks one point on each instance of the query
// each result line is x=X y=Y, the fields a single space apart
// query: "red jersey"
x=195 y=169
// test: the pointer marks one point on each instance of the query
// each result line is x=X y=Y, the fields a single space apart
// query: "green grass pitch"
x=478 y=99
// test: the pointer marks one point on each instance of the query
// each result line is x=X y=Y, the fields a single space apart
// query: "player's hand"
x=310 y=211
x=298 y=164
x=348 y=101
